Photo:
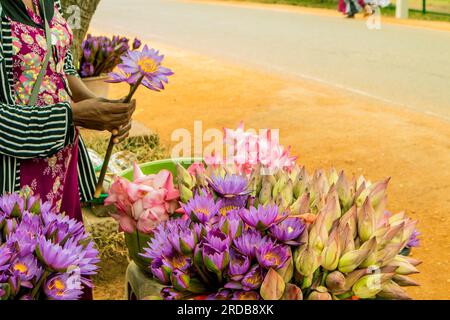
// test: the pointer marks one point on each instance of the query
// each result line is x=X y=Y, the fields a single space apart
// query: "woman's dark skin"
x=92 y=112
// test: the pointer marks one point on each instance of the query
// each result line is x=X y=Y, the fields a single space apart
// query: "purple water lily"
x=136 y=44
x=239 y=265
x=170 y=293
x=215 y=261
x=274 y=256
x=5 y=257
x=248 y=242
x=202 y=208
x=160 y=271
x=26 y=269
x=253 y=279
x=60 y=287
x=218 y=240
x=288 y=230
x=414 y=240
x=180 y=280
x=10 y=202
x=158 y=246
x=145 y=65
x=232 y=189
x=260 y=218
x=231 y=224
x=221 y=295
x=177 y=261
x=54 y=256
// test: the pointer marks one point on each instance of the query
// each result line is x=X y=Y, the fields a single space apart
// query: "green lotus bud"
x=287 y=193
x=346 y=240
x=184 y=176
x=279 y=185
x=408 y=230
x=403 y=266
x=392 y=291
x=292 y=292
x=294 y=174
x=333 y=177
x=366 y=221
x=344 y=192
x=368 y=286
x=397 y=218
x=256 y=182
x=353 y=277
x=352 y=259
x=350 y=218
x=200 y=180
x=332 y=209
x=265 y=196
x=413 y=261
x=387 y=234
x=318 y=234
x=307 y=281
x=299 y=188
x=185 y=193
x=331 y=253
x=335 y=282
x=388 y=253
x=320 y=293
x=404 y=281
x=378 y=192
x=307 y=261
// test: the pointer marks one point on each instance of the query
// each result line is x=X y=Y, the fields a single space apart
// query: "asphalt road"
x=407 y=66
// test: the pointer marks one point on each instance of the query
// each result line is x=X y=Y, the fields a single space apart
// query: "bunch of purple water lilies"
x=102 y=54
x=222 y=244
x=43 y=254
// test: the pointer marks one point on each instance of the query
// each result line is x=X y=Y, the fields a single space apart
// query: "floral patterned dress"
x=54 y=178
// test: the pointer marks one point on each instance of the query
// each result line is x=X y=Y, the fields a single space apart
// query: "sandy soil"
x=326 y=128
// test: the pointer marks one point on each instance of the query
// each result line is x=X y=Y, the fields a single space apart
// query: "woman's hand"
x=99 y=114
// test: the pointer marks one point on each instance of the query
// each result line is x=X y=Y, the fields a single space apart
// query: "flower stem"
x=39 y=284
x=101 y=178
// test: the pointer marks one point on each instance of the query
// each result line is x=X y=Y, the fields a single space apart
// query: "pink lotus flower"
x=145 y=202
x=251 y=149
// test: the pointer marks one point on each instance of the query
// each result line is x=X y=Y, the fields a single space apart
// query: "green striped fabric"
x=34 y=132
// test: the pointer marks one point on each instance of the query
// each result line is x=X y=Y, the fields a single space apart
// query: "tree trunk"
x=79 y=14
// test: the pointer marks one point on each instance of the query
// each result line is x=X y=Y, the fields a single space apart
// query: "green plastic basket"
x=137 y=241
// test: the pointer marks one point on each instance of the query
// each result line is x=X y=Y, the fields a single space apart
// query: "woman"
x=40 y=146
x=351 y=7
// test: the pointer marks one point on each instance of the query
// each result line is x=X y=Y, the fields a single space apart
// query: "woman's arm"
x=79 y=90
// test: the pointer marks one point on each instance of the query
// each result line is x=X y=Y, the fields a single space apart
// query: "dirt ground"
x=327 y=128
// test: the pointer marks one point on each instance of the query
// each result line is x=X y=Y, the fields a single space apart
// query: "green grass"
x=416 y=13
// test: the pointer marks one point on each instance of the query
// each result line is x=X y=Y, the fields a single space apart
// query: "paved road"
x=404 y=65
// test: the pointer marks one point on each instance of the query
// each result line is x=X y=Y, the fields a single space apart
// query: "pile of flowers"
x=43 y=254
x=102 y=54
x=247 y=150
x=288 y=235
x=145 y=202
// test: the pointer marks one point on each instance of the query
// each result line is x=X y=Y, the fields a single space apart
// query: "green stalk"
x=98 y=190
x=39 y=284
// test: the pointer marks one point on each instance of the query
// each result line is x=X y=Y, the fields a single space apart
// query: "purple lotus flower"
x=60 y=287
x=272 y=256
x=120 y=76
x=158 y=246
x=12 y=202
x=136 y=44
x=231 y=224
x=215 y=261
x=245 y=295
x=180 y=280
x=232 y=189
x=87 y=70
x=60 y=228
x=86 y=258
x=239 y=265
x=414 y=241
x=218 y=240
x=160 y=271
x=288 y=230
x=221 y=295
x=201 y=208
x=54 y=256
x=146 y=64
x=253 y=279
x=177 y=261
x=170 y=293
x=181 y=237
x=249 y=241
x=26 y=269
x=5 y=257
x=260 y=218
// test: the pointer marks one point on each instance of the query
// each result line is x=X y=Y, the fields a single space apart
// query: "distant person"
x=351 y=7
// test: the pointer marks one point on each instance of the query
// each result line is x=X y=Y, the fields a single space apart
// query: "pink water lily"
x=144 y=202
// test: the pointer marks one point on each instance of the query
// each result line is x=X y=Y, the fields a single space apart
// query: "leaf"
x=292 y=292
x=273 y=286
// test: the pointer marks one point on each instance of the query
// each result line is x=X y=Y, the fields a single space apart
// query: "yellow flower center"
x=203 y=210
x=290 y=229
x=270 y=256
x=20 y=267
x=59 y=286
x=223 y=211
x=148 y=65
